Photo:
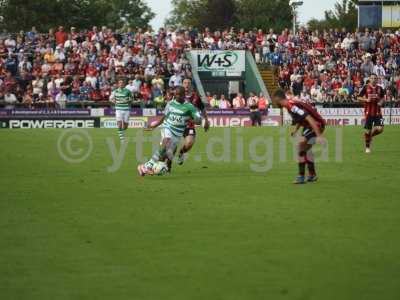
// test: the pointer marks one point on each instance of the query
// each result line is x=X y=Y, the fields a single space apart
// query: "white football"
x=160 y=168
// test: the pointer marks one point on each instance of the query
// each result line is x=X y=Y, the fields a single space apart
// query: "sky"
x=310 y=9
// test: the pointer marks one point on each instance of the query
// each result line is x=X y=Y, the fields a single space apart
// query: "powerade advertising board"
x=43 y=123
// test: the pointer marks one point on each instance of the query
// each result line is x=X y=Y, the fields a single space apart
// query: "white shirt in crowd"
x=10 y=44
x=70 y=44
x=224 y=104
x=209 y=40
x=149 y=71
x=346 y=44
x=56 y=84
x=51 y=85
x=61 y=98
x=10 y=98
x=379 y=70
x=131 y=87
x=25 y=65
x=37 y=86
x=139 y=59
x=59 y=82
x=175 y=80
x=316 y=93
x=239 y=102
x=151 y=59
x=127 y=55
x=59 y=54
x=134 y=86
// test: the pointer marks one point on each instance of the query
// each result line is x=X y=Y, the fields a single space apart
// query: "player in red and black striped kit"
x=372 y=95
x=190 y=132
x=306 y=116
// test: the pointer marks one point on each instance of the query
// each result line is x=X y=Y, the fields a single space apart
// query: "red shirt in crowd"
x=309 y=82
x=260 y=38
x=91 y=71
x=336 y=85
x=262 y=103
x=145 y=92
x=357 y=80
x=320 y=45
x=61 y=37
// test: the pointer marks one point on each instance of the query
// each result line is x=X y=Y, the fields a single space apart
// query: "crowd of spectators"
x=238 y=101
x=330 y=67
x=71 y=67
x=68 y=67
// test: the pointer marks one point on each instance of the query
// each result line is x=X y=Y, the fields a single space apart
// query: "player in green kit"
x=177 y=115
x=122 y=98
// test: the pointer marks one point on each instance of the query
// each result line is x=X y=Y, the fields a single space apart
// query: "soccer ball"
x=160 y=168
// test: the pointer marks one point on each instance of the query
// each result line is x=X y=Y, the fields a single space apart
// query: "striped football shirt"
x=177 y=116
x=123 y=98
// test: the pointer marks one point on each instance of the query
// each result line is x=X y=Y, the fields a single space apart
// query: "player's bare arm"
x=314 y=125
x=363 y=99
x=295 y=129
x=206 y=121
x=156 y=124
x=197 y=119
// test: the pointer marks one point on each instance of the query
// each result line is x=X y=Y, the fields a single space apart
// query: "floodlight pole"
x=295 y=5
x=294 y=20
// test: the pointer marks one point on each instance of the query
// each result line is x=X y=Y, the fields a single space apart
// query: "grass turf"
x=212 y=230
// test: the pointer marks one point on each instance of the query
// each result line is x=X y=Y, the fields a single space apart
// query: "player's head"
x=289 y=94
x=187 y=84
x=373 y=79
x=279 y=97
x=121 y=83
x=180 y=94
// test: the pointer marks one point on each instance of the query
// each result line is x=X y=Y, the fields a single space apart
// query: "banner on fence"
x=219 y=61
x=350 y=116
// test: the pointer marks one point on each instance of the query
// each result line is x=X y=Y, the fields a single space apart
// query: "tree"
x=275 y=14
x=315 y=24
x=215 y=14
x=129 y=13
x=344 y=15
x=219 y=14
x=44 y=14
x=186 y=13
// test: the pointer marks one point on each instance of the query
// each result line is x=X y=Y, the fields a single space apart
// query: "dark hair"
x=280 y=94
x=180 y=94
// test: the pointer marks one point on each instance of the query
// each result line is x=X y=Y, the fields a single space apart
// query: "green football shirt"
x=123 y=98
x=177 y=116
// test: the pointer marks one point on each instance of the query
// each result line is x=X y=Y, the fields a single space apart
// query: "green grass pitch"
x=212 y=230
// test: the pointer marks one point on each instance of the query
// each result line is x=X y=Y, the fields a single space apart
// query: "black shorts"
x=255 y=117
x=189 y=132
x=310 y=134
x=372 y=122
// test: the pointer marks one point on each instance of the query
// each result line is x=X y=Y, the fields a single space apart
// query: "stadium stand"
x=80 y=68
